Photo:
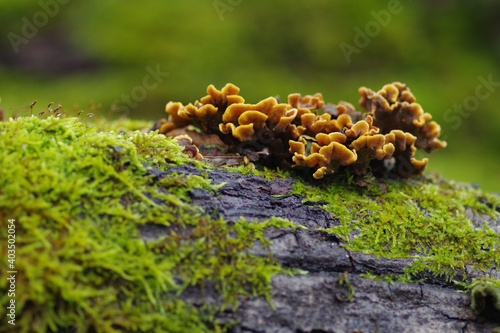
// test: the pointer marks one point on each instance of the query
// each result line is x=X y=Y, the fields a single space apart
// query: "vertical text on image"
x=11 y=259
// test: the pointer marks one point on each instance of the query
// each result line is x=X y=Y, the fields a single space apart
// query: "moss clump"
x=486 y=298
x=425 y=219
x=78 y=197
x=485 y=301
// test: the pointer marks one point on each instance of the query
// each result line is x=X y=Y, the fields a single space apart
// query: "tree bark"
x=332 y=296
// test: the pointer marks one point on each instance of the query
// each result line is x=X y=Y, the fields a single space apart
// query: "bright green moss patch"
x=78 y=197
x=264 y=172
x=425 y=219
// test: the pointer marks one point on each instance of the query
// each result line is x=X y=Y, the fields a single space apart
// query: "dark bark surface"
x=318 y=301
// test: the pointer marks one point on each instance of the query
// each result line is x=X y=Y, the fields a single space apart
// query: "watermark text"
x=11 y=273
x=31 y=26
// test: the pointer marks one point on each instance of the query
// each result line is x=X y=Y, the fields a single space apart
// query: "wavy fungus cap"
x=306 y=132
x=394 y=107
x=324 y=159
x=226 y=96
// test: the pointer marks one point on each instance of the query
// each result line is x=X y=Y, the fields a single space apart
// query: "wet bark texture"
x=319 y=301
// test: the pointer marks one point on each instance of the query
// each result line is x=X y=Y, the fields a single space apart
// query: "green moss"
x=423 y=218
x=479 y=296
x=79 y=193
x=78 y=196
x=264 y=172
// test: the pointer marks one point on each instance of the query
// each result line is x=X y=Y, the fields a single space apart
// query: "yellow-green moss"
x=264 y=172
x=78 y=196
x=423 y=218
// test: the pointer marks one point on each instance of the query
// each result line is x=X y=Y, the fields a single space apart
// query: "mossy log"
x=123 y=232
x=332 y=295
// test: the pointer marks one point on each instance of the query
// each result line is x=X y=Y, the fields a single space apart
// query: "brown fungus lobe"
x=394 y=107
x=307 y=132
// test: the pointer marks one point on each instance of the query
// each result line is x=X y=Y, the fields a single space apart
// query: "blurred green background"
x=91 y=54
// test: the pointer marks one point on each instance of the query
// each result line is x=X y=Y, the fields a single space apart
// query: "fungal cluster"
x=306 y=132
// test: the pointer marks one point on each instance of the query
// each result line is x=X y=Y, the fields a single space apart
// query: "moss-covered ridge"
x=78 y=196
x=427 y=219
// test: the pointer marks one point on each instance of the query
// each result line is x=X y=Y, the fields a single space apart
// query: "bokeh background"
x=99 y=56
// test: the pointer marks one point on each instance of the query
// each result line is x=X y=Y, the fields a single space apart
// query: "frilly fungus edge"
x=324 y=137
